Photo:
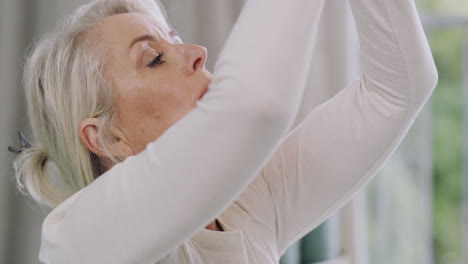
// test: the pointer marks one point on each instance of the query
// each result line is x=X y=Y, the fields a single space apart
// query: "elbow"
x=426 y=82
x=431 y=79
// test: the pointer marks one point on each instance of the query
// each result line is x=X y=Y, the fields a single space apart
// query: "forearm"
x=397 y=62
x=346 y=140
x=268 y=54
x=421 y=67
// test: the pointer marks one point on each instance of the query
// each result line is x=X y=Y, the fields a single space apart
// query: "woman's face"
x=158 y=78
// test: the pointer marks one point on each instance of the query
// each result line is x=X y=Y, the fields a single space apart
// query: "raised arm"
x=147 y=205
x=343 y=142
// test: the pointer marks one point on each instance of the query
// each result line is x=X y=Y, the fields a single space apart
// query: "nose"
x=195 y=58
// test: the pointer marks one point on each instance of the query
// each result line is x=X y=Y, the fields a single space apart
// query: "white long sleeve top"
x=236 y=158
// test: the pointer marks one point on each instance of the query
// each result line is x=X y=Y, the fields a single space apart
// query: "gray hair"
x=64 y=84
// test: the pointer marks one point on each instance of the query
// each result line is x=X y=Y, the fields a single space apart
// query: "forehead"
x=121 y=28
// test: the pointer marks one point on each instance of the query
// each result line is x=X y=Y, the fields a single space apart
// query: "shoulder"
x=50 y=234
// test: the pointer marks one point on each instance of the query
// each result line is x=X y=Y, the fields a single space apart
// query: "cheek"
x=163 y=96
x=171 y=104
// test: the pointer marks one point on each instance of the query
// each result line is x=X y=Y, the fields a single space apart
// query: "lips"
x=203 y=92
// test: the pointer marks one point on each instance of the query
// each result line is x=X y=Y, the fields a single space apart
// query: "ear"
x=88 y=132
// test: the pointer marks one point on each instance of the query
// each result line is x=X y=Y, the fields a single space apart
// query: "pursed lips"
x=205 y=90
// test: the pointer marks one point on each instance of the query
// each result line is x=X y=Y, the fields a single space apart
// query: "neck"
x=215 y=226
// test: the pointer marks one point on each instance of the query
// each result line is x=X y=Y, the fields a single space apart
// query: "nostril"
x=196 y=63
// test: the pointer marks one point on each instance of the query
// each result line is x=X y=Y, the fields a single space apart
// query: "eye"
x=157 y=60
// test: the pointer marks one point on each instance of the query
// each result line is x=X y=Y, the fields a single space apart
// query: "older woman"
x=159 y=161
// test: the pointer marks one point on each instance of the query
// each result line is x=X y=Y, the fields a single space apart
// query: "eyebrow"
x=146 y=37
x=140 y=38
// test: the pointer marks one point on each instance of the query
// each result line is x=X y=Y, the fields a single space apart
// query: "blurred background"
x=414 y=212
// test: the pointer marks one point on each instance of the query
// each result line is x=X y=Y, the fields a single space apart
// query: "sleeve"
x=146 y=206
x=343 y=142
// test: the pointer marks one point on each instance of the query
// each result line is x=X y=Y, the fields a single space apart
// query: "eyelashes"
x=157 y=60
